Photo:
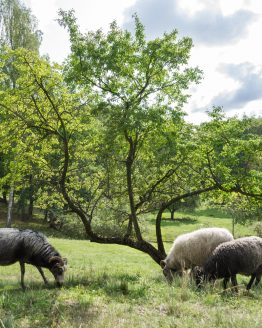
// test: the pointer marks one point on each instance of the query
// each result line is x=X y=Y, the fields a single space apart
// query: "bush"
x=258 y=229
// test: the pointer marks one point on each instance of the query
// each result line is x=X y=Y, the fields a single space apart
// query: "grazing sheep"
x=243 y=255
x=192 y=249
x=27 y=246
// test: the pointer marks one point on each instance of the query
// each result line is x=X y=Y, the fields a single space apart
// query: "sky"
x=226 y=37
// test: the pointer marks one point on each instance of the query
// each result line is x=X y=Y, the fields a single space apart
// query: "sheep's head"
x=58 y=267
x=167 y=271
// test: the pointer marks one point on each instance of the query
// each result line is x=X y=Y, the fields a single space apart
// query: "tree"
x=189 y=204
x=140 y=89
x=232 y=152
x=235 y=156
x=18 y=28
x=108 y=133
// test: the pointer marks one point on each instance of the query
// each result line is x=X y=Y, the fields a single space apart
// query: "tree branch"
x=165 y=205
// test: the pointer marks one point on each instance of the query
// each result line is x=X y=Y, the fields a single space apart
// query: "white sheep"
x=192 y=249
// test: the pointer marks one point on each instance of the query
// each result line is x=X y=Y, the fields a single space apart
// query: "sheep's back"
x=11 y=245
x=192 y=249
x=38 y=249
x=29 y=245
x=243 y=255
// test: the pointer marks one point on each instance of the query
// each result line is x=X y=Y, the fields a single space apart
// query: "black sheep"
x=243 y=256
x=27 y=246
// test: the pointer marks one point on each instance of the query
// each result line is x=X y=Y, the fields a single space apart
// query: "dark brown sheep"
x=239 y=256
x=27 y=246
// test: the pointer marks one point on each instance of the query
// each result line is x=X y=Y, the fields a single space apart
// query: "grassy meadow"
x=114 y=286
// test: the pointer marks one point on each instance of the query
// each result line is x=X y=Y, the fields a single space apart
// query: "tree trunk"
x=4 y=198
x=160 y=244
x=31 y=198
x=129 y=163
x=45 y=214
x=30 y=208
x=172 y=212
x=21 y=205
x=10 y=208
x=233 y=227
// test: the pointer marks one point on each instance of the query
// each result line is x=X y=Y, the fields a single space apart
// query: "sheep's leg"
x=234 y=282
x=225 y=281
x=253 y=276
x=22 y=266
x=42 y=274
x=258 y=278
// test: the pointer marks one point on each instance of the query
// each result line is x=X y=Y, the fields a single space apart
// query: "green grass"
x=116 y=286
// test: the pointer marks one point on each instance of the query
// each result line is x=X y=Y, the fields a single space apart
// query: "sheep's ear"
x=56 y=259
x=162 y=264
x=65 y=261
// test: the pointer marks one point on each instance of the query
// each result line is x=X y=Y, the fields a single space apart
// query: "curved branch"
x=165 y=205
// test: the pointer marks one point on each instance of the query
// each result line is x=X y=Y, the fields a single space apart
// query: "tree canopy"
x=107 y=135
x=18 y=29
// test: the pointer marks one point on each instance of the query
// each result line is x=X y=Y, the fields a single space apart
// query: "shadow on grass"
x=39 y=298
x=176 y=222
x=113 y=286
x=41 y=226
x=212 y=212
x=34 y=304
x=16 y=288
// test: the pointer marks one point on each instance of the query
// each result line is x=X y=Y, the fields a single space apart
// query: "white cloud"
x=207 y=24
x=91 y=15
